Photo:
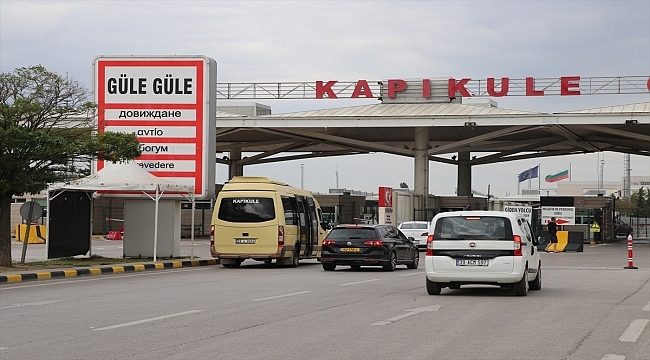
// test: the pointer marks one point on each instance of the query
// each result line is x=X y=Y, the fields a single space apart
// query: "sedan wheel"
x=392 y=262
x=416 y=261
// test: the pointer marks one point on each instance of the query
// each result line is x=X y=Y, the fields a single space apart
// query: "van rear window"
x=246 y=210
x=473 y=227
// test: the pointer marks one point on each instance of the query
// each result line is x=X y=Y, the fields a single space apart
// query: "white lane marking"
x=3 y=348
x=408 y=313
x=148 y=320
x=646 y=307
x=360 y=282
x=285 y=295
x=634 y=330
x=613 y=357
x=38 y=303
x=415 y=273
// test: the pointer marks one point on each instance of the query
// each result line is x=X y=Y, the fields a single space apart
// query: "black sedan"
x=368 y=245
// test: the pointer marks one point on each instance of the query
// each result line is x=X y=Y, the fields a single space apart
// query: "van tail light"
x=517 y=240
x=429 y=251
x=280 y=236
x=373 y=243
x=211 y=236
x=328 y=242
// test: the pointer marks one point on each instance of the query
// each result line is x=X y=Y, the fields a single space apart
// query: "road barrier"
x=630 y=254
x=36 y=233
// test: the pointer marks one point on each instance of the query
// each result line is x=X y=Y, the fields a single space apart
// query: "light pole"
x=302 y=176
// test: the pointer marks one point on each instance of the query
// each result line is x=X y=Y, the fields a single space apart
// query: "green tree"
x=47 y=134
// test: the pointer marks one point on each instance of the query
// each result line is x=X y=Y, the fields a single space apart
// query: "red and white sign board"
x=385 y=197
x=169 y=103
x=564 y=215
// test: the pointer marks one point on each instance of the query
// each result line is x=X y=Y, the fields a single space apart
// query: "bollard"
x=630 y=254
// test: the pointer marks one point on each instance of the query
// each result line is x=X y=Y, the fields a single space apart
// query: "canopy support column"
x=464 y=174
x=235 y=168
x=421 y=166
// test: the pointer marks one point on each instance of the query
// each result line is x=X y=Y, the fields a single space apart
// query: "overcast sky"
x=280 y=41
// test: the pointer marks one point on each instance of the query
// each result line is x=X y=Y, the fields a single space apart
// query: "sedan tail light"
x=373 y=243
x=328 y=242
x=429 y=251
x=517 y=240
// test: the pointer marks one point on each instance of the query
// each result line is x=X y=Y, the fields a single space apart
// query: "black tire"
x=355 y=267
x=295 y=257
x=392 y=262
x=329 y=267
x=237 y=263
x=227 y=265
x=433 y=288
x=415 y=263
x=521 y=287
x=537 y=283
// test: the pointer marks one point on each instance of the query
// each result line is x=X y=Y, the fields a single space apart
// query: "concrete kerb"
x=8 y=278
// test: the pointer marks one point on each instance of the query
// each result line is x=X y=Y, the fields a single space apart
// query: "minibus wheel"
x=295 y=257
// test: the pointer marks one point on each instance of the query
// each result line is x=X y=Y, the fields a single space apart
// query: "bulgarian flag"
x=551 y=178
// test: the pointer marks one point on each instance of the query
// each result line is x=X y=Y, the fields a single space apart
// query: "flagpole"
x=569 y=172
x=539 y=177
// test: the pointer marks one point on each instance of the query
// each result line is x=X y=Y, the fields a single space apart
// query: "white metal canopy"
x=128 y=178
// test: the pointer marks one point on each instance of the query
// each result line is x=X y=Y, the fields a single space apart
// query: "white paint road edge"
x=149 y=320
x=284 y=295
x=646 y=307
x=634 y=330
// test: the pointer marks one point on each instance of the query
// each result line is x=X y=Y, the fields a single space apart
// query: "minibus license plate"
x=244 y=241
x=349 y=249
x=471 y=262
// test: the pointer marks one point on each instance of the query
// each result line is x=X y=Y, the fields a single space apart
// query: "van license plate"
x=244 y=241
x=471 y=262
x=349 y=249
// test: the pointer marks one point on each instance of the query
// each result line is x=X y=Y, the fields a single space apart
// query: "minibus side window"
x=289 y=205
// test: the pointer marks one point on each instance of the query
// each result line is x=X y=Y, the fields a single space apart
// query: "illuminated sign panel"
x=169 y=104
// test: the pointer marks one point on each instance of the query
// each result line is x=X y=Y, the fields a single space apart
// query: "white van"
x=265 y=220
x=482 y=247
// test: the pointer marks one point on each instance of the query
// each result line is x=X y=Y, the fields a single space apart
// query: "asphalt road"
x=589 y=308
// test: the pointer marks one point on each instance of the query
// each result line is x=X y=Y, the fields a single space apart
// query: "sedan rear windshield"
x=473 y=227
x=409 y=226
x=246 y=210
x=355 y=233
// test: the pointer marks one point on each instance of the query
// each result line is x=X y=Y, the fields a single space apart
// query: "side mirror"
x=536 y=241
x=411 y=238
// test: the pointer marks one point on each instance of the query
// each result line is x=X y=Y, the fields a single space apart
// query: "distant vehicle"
x=418 y=230
x=265 y=220
x=482 y=247
x=621 y=228
x=368 y=245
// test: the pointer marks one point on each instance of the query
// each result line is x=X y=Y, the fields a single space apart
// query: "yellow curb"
x=43 y=275
x=118 y=269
